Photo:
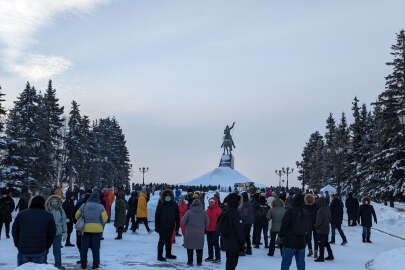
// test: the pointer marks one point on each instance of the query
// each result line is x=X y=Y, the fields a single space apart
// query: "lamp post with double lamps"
x=143 y=170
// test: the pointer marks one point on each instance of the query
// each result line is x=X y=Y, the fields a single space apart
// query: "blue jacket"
x=33 y=231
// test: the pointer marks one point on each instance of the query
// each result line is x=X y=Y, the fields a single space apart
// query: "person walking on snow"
x=365 y=215
x=336 y=210
x=248 y=216
x=6 y=208
x=120 y=214
x=142 y=210
x=195 y=220
x=213 y=213
x=323 y=217
x=275 y=215
x=261 y=222
x=182 y=211
x=310 y=210
x=132 y=207
x=166 y=218
x=54 y=206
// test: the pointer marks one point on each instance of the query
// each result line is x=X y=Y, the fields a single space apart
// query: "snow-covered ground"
x=138 y=251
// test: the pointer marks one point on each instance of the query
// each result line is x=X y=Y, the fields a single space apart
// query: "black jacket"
x=366 y=211
x=23 y=202
x=33 y=231
x=69 y=208
x=261 y=213
x=166 y=217
x=336 y=211
x=293 y=229
x=230 y=227
x=6 y=208
x=352 y=205
x=310 y=212
x=132 y=205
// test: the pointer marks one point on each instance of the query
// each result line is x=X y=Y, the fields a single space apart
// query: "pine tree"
x=3 y=112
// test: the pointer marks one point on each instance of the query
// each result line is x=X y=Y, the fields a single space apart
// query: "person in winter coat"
x=365 y=215
x=24 y=200
x=247 y=212
x=6 y=208
x=83 y=199
x=106 y=196
x=323 y=217
x=310 y=210
x=352 y=206
x=142 y=210
x=292 y=234
x=177 y=194
x=275 y=215
x=69 y=208
x=230 y=227
x=336 y=210
x=95 y=216
x=132 y=207
x=195 y=220
x=261 y=222
x=120 y=214
x=213 y=213
x=166 y=218
x=183 y=207
x=54 y=206
x=33 y=232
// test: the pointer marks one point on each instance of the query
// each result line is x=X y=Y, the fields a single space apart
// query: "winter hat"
x=298 y=200
x=38 y=202
x=195 y=196
x=233 y=200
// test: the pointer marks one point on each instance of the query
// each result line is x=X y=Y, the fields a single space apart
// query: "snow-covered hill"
x=224 y=176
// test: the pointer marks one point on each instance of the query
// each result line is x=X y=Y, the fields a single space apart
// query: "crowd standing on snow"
x=235 y=226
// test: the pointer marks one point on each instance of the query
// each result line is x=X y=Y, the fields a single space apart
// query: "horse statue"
x=228 y=143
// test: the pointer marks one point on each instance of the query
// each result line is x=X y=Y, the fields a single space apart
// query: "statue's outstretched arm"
x=233 y=124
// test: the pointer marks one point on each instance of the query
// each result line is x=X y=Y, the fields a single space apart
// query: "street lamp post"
x=143 y=170
x=287 y=171
x=279 y=173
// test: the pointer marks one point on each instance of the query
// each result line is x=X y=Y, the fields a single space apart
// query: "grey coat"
x=195 y=220
x=276 y=214
x=58 y=214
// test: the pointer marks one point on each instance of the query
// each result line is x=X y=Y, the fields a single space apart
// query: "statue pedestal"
x=227 y=161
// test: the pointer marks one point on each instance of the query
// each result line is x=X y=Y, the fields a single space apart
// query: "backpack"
x=79 y=226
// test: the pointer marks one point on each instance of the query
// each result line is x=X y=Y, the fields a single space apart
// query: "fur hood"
x=309 y=199
x=51 y=198
x=166 y=193
x=277 y=203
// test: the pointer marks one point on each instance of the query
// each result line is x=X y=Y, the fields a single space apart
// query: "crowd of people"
x=293 y=221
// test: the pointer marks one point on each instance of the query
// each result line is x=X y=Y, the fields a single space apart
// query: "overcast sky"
x=174 y=73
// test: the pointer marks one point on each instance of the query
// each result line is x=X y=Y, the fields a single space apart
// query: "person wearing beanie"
x=213 y=213
x=33 y=232
x=230 y=227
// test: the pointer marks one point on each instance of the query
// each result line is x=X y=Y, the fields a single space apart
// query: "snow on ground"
x=392 y=259
x=138 y=251
x=390 y=219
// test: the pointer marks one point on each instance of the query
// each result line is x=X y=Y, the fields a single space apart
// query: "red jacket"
x=182 y=210
x=213 y=214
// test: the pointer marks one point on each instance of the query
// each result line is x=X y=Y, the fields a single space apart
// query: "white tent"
x=329 y=189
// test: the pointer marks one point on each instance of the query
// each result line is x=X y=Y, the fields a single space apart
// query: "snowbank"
x=390 y=219
x=224 y=176
x=392 y=259
x=34 y=266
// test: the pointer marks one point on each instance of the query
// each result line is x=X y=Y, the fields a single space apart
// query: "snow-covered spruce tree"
x=22 y=138
x=312 y=166
x=356 y=155
x=389 y=176
x=73 y=145
x=343 y=168
x=3 y=111
x=330 y=154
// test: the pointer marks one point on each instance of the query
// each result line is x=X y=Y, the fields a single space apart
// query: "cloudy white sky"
x=174 y=73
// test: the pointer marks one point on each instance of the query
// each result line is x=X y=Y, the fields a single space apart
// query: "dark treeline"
x=368 y=155
x=42 y=148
